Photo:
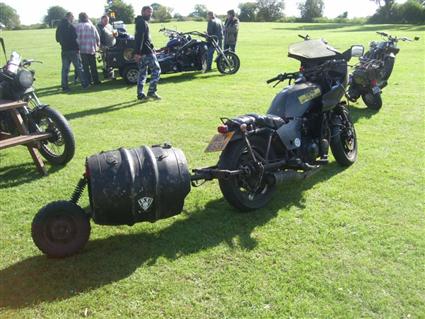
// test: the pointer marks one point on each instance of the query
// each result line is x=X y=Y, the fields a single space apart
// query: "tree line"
x=388 y=11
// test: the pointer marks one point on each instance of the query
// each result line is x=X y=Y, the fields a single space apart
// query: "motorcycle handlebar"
x=28 y=62
x=306 y=37
x=273 y=79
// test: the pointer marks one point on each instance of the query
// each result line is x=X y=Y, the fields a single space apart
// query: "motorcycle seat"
x=268 y=120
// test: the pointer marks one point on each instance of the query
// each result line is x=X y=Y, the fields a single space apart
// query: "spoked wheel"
x=372 y=101
x=59 y=148
x=130 y=74
x=249 y=190
x=60 y=229
x=229 y=66
x=344 y=139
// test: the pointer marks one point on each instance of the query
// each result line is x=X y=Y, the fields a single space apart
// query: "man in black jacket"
x=67 y=37
x=145 y=56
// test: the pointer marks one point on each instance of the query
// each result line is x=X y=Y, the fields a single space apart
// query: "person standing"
x=214 y=28
x=66 y=35
x=88 y=40
x=146 y=57
x=231 y=29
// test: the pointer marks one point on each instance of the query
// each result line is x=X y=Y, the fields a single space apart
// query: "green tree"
x=311 y=9
x=161 y=13
x=269 y=10
x=8 y=16
x=248 y=11
x=123 y=11
x=54 y=15
x=199 y=11
x=412 y=11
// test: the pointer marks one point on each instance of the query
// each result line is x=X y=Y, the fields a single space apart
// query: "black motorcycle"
x=292 y=140
x=16 y=82
x=182 y=53
x=371 y=74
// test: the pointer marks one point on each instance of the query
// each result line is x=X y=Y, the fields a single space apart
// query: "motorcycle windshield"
x=311 y=49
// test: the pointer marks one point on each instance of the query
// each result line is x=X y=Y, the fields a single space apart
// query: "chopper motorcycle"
x=16 y=82
x=371 y=74
x=183 y=52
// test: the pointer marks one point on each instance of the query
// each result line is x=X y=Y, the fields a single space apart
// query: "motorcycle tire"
x=130 y=74
x=234 y=188
x=204 y=62
x=224 y=68
x=59 y=149
x=372 y=101
x=344 y=140
x=60 y=229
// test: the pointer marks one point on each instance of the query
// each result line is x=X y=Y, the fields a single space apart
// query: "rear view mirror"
x=357 y=50
x=416 y=38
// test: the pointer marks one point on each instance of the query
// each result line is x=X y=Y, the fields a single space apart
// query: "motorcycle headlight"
x=25 y=78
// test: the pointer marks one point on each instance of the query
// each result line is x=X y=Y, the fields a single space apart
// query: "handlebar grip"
x=273 y=79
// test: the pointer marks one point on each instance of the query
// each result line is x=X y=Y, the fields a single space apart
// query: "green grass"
x=346 y=243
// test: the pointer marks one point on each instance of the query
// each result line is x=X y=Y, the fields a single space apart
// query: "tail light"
x=223 y=129
x=374 y=82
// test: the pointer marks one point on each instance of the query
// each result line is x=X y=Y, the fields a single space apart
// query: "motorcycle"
x=292 y=140
x=16 y=82
x=182 y=53
x=371 y=74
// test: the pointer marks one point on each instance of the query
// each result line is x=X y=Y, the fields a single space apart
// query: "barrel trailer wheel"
x=60 y=229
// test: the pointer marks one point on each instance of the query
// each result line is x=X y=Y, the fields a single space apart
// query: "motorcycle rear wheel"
x=372 y=101
x=59 y=149
x=233 y=66
x=235 y=189
x=344 y=139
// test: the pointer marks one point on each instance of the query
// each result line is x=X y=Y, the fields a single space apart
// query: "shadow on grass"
x=15 y=175
x=120 y=83
x=100 y=110
x=39 y=279
x=353 y=27
x=357 y=113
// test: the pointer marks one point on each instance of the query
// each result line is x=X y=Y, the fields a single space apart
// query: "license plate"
x=219 y=142
x=376 y=90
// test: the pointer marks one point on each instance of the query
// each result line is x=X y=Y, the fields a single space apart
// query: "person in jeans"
x=67 y=37
x=88 y=39
x=145 y=56
x=231 y=28
x=214 y=28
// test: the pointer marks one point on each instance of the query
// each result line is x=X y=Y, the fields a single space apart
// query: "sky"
x=33 y=11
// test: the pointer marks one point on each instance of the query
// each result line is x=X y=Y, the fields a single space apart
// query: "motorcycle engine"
x=310 y=149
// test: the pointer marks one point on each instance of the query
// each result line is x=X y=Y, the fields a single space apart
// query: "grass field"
x=346 y=243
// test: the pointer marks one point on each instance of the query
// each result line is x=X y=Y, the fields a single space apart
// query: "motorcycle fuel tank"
x=291 y=103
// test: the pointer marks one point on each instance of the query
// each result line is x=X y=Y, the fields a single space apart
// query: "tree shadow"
x=315 y=26
x=39 y=279
x=100 y=110
x=15 y=175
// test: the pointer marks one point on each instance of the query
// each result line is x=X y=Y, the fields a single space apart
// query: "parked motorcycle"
x=292 y=140
x=371 y=74
x=182 y=53
x=16 y=82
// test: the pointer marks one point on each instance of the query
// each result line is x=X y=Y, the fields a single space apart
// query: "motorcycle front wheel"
x=344 y=140
x=59 y=148
x=372 y=101
x=247 y=191
x=230 y=67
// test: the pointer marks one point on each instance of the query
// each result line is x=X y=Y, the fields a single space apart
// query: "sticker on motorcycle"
x=309 y=96
x=219 y=142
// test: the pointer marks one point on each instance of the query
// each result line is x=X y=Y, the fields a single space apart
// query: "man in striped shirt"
x=88 y=40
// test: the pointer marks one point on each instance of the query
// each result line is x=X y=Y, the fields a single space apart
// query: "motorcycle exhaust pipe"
x=290 y=175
